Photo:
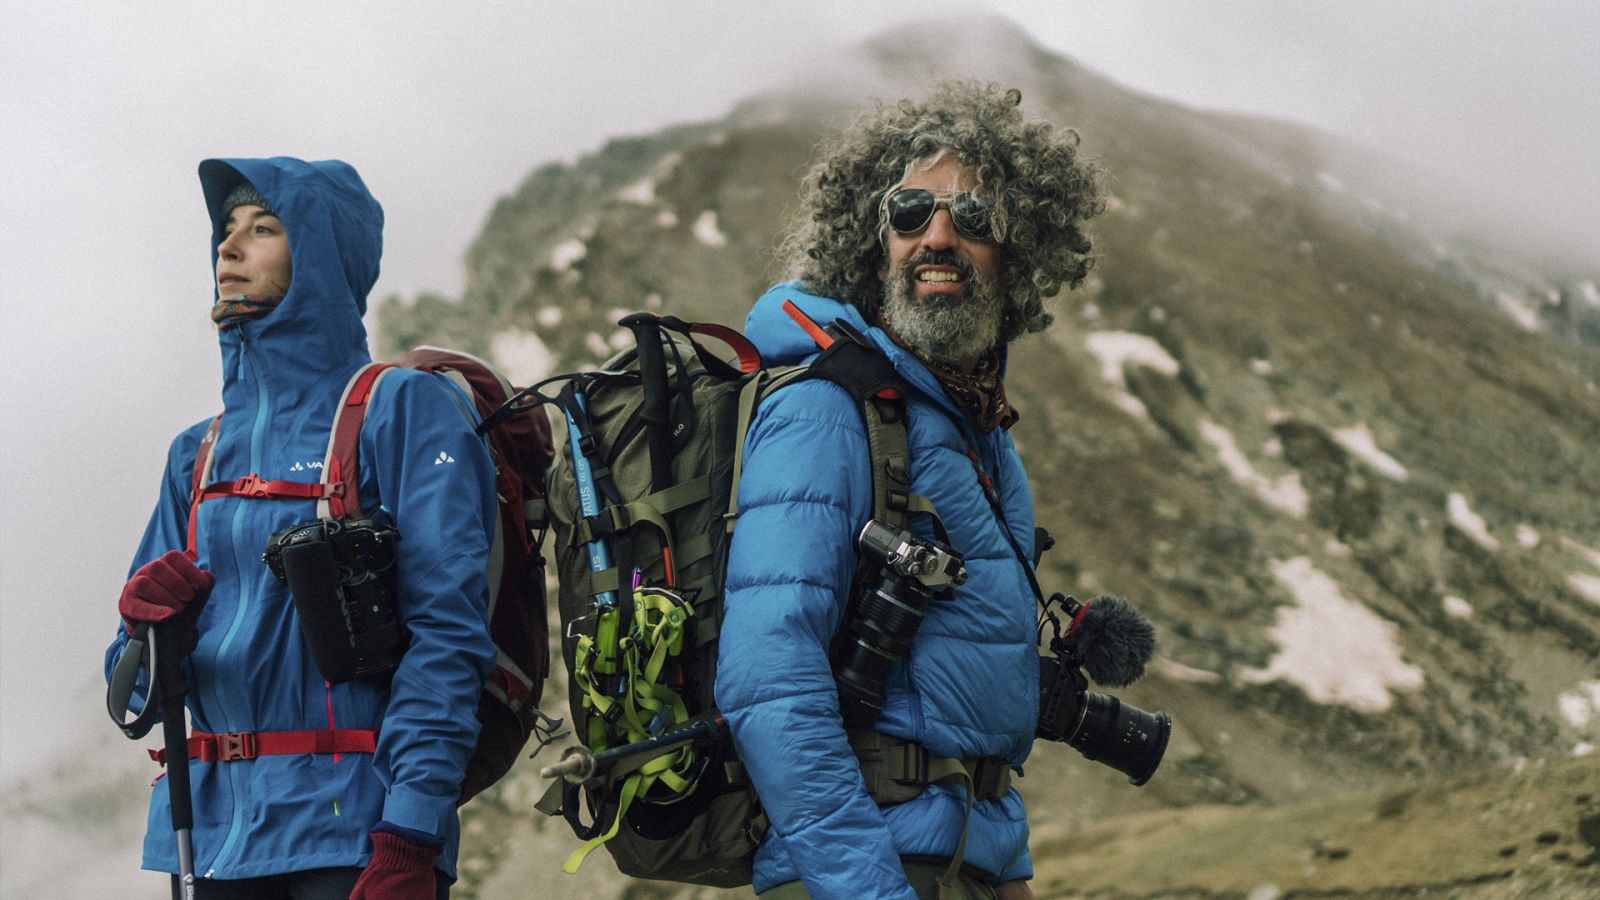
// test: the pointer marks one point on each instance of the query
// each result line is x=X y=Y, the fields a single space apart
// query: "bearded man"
x=935 y=229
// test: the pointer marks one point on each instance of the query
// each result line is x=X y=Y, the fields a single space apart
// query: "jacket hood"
x=335 y=232
x=334 y=224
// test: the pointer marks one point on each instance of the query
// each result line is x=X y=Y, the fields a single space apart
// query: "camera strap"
x=992 y=494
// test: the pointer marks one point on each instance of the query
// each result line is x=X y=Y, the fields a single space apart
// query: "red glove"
x=169 y=587
x=399 y=870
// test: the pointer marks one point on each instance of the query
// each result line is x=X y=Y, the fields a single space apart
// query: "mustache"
x=939 y=258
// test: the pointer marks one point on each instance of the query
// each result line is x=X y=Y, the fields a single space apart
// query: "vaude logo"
x=444 y=458
x=309 y=464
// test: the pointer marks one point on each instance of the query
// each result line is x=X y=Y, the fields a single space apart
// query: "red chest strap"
x=344 y=444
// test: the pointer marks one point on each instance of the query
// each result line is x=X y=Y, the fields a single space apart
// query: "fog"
x=107 y=108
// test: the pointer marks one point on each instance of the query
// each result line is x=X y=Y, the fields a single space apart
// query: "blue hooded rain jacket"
x=252 y=671
x=969 y=685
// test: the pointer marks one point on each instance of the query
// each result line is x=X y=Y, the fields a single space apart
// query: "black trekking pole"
x=653 y=409
x=167 y=670
x=155 y=650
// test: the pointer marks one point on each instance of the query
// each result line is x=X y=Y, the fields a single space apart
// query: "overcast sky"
x=105 y=109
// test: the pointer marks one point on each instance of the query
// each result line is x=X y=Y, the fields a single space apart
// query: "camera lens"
x=878 y=632
x=1122 y=736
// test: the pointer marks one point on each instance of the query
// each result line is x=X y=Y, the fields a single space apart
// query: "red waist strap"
x=236 y=745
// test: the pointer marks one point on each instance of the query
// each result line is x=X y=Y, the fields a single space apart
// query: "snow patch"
x=1116 y=351
x=1338 y=549
x=1587 y=585
x=1176 y=671
x=642 y=192
x=548 y=317
x=566 y=253
x=666 y=219
x=596 y=345
x=1284 y=494
x=1330 y=183
x=1579 y=707
x=706 y=231
x=521 y=356
x=1519 y=310
x=652 y=301
x=1335 y=649
x=620 y=340
x=1462 y=517
x=1589 y=293
x=1527 y=538
x=1457 y=607
x=1591 y=557
x=1261 y=366
x=1358 y=441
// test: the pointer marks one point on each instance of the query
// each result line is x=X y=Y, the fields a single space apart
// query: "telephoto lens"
x=1099 y=726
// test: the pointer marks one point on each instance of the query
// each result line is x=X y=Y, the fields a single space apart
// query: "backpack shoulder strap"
x=339 y=466
x=851 y=362
x=204 y=456
x=879 y=391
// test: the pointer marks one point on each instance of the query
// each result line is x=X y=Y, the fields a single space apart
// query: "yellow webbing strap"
x=630 y=788
x=645 y=708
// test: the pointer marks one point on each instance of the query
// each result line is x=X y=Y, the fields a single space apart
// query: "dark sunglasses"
x=909 y=210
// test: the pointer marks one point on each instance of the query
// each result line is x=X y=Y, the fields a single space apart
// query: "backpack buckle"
x=607 y=522
x=989 y=778
x=230 y=746
x=250 y=486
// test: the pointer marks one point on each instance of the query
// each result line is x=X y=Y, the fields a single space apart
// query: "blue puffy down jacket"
x=252 y=670
x=969 y=685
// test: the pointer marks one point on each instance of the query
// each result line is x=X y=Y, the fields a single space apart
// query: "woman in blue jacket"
x=303 y=788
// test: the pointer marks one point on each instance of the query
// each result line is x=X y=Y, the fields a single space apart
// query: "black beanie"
x=244 y=194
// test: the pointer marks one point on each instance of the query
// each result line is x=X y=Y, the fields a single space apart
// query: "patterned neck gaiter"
x=981 y=395
x=230 y=311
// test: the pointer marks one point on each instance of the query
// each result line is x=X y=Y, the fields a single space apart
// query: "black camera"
x=886 y=612
x=341 y=574
x=1113 y=642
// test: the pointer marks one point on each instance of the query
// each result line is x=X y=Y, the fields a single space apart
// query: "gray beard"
x=947 y=331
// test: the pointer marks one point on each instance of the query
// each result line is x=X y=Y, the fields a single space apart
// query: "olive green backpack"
x=641 y=504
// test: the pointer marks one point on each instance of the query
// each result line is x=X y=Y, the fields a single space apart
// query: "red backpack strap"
x=203 y=458
x=339 y=468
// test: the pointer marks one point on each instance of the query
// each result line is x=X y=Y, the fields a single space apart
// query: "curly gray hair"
x=1041 y=189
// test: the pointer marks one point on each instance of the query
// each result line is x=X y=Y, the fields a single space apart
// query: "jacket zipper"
x=247 y=367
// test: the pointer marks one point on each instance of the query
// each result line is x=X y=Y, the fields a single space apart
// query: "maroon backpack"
x=520 y=447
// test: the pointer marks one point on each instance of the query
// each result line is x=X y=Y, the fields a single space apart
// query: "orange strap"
x=824 y=339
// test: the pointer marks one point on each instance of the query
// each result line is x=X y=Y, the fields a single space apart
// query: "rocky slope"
x=1341 y=453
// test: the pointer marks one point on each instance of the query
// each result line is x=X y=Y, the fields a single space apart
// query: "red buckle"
x=250 y=486
x=234 y=745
